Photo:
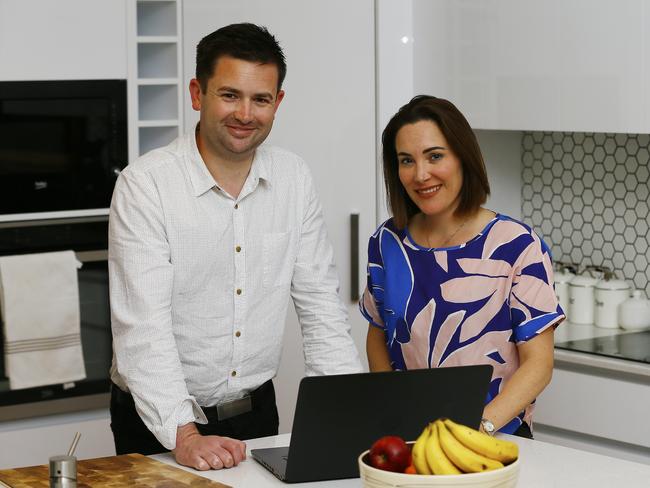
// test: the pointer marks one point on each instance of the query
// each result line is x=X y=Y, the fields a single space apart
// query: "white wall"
x=62 y=39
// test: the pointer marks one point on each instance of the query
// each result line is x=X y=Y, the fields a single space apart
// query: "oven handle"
x=92 y=256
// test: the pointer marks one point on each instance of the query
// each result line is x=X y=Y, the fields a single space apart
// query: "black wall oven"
x=88 y=237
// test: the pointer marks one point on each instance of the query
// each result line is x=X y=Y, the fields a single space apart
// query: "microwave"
x=62 y=145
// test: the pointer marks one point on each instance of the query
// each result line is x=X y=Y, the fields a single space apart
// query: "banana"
x=418 y=453
x=436 y=457
x=467 y=460
x=488 y=446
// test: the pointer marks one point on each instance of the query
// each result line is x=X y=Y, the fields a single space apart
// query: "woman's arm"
x=378 y=358
x=530 y=379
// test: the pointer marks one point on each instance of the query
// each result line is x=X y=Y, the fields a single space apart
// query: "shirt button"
x=238 y=249
x=238 y=291
x=236 y=206
x=234 y=373
x=237 y=334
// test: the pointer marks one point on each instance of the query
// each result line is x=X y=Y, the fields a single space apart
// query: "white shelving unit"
x=155 y=74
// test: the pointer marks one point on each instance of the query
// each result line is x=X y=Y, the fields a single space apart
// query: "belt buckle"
x=234 y=407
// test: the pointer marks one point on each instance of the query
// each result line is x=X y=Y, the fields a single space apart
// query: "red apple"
x=390 y=453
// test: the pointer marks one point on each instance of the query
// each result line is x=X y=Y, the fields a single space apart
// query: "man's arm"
x=328 y=345
x=141 y=279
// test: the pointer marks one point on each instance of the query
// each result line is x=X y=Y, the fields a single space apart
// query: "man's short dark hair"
x=462 y=141
x=245 y=41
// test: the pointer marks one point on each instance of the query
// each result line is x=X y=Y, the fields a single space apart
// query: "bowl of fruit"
x=446 y=454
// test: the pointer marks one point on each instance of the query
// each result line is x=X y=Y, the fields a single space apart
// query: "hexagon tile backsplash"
x=586 y=194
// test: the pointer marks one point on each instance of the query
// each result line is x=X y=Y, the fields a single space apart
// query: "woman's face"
x=428 y=169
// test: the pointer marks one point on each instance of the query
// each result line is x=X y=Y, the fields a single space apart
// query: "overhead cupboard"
x=557 y=65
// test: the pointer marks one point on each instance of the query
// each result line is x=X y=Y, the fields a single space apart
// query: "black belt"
x=240 y=406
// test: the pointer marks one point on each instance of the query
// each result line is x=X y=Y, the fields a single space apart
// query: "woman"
x=451 y=283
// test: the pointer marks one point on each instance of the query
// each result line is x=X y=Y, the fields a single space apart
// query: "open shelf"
x=157 y=102
x=157 y=60
x=156 y=18
x=155 y=74
x=154 y=137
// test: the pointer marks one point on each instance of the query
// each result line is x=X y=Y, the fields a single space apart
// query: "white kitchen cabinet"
x=33 y=442
x=62 y=40
x=327 y=117
x=561 y=65
x=598 y=404
x=155 y=74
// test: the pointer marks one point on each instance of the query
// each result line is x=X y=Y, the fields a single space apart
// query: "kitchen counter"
x=542 y=465
x=608 y=349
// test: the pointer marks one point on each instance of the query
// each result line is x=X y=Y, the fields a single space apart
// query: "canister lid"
x=583 y=281
x=612 y=285
x=563 y=276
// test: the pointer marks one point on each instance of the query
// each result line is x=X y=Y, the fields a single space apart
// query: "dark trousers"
x=131 y=435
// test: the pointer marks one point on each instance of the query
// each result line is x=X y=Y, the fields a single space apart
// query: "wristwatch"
x=488 y=426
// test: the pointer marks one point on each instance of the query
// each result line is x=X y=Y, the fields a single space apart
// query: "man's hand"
x=206 y=452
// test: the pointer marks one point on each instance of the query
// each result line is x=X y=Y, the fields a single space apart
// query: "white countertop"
x=543 y=465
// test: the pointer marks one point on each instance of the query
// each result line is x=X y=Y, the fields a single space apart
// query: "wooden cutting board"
x=133 y=470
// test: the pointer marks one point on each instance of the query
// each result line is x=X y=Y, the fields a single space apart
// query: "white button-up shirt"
x=200 y=282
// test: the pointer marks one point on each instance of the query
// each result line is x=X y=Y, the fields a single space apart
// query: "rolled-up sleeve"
x=533 y=304
x=328 y=345
x=141 y=279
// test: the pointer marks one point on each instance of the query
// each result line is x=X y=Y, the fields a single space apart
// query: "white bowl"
x=505 y=477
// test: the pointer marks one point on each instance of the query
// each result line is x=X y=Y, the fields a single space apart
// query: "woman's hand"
x=534 y=373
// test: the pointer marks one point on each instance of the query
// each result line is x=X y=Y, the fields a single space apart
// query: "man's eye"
x=262 y=101
x=228 y=96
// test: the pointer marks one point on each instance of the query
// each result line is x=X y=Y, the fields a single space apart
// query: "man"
x=208 y=239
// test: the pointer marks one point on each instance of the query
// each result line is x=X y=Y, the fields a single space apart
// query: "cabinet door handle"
x=354 y=257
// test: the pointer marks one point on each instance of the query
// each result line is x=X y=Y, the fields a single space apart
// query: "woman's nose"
x=421 y=172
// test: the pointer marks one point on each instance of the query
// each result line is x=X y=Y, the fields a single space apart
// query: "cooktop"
x=634 y=346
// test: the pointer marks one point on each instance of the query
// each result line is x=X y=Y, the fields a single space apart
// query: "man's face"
x=237 y=109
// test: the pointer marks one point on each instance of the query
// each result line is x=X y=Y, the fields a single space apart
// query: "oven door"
x=92 y=392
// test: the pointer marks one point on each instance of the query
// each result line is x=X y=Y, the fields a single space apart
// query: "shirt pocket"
x=279 y=257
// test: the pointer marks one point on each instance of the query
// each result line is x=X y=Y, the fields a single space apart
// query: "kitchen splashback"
x=586 y=194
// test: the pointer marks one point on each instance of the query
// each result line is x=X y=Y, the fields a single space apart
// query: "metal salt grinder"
x=63 y=469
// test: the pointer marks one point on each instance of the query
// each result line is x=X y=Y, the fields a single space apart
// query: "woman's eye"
x=405 y=161
x=436 y=156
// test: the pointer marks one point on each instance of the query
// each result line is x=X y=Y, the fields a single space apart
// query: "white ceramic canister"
x=562 y=279
x=634 y=313
x=608 y=294
x=581 y=299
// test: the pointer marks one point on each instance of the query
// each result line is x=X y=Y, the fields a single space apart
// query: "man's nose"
x=243 y=112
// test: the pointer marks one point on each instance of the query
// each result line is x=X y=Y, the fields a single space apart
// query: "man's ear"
x=278 y=99
x=195 y=94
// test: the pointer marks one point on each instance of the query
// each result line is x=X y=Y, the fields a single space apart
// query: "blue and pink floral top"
x=461 y=305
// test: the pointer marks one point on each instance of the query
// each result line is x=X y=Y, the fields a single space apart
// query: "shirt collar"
x=202 y=180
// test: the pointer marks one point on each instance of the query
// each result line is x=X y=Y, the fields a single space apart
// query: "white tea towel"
x=39 y=298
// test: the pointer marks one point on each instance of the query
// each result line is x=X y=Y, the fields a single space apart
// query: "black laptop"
x=338 y=417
